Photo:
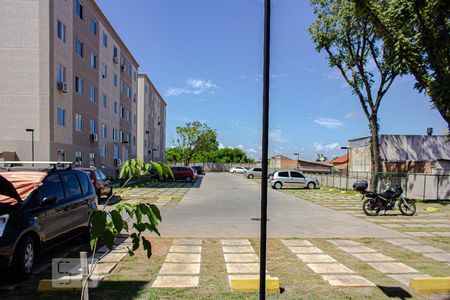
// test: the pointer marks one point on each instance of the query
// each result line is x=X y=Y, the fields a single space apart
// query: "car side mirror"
x=49 y=200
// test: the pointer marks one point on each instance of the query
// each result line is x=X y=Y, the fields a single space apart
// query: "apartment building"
x=70 y=80
x=151 y=128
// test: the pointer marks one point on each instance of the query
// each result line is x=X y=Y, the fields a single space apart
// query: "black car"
x=38 y=209
x=199 y=170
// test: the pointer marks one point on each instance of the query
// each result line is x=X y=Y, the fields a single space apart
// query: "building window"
x=104 y=150
x=115 y=107
x=128 y=115
x=129 y=68
x=122 y=111
x=105 y=101
x=128 y=92
x=134 y=119
x=115 y=53
x=134 y=140
x=79 y=9
x=105 y=40
x=114 y=80
x=93 y=26
x=114 y=134
x=79 y=85
x=92 y=159
x=145 y=88
x=122 y=61
x=61 y=154
x=79 y=47
x=93 y=94
x=121 y=86
x=92 y=127
x=134 y=98
x=78 y=123
x=93 y=60
x=128 y=138
x=134 y=75
x=104 y=131
x=79 y=158
x=61 y=117
x=104 y=70
x=121 y=136
x=61 y=73
x=61 y=31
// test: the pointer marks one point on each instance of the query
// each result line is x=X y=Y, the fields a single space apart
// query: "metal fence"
x=415 y=185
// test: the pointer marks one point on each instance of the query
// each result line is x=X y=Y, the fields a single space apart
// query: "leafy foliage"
x=193 y=138
x=224 y=155
x=417 y=33
x=354 y=48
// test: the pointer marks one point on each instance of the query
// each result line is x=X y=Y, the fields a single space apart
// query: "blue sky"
x=205 y=58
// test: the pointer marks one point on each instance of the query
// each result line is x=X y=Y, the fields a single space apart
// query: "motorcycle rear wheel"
x=405 y=210
x=368 y=209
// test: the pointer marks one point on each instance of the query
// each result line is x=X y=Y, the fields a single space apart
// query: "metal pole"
x=84 y=274
x=32 y=146
x=265 y=151
x=348 y=160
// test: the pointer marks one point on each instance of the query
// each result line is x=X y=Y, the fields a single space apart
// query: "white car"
x=237 y=170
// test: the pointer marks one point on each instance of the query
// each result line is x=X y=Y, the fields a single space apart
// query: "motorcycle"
x=388 y=200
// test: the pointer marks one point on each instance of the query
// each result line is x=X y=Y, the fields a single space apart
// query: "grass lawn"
x=133 y=277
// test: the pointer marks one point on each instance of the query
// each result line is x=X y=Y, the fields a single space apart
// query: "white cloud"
x=329 y=123
x=194 y=87
x=327 y=147
x=251 y=150
x=277 y=135
x=240 y=147
x=353 y=115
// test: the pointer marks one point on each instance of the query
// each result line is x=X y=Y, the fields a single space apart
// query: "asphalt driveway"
x=225 y=204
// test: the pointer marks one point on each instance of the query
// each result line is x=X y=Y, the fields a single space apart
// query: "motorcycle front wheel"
x=407 y=207
x=369 y=209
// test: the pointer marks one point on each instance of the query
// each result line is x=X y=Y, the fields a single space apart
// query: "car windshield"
x=23 y=182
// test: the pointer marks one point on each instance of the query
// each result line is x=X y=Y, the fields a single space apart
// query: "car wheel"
x=188 y=179
x=24 y=258
x=234 y=172
x=278 y=185
x=250 y=176
x=311 y=185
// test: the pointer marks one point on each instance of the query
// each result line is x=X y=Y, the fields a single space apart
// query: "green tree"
x=321 y=157
x=193 y=138
x=353 y=47
x=417 y=33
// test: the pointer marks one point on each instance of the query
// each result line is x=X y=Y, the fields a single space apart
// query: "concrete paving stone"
x=444 y=257
x=401 y=242
x=113 y=257
x=242 y=268
x=422 y=248
x=240 y=242
x=316 y=258
x=344 y=243
x=394 y=225
x=185 y=249
x=415 y=225
x=406 y=278
x=176 y=282
x=183 y=258
x=419 y=233
x=290 y=243
x=241 y=257
x=375 y=257
x=392 y=267
x=187 y=242
x=347 y=281
x=439 y=225
x=357 y=249
x=333 y=268
x=238 y=249
x=179 y=269
x=305 y=250
x=104 y=268
x=442 y=233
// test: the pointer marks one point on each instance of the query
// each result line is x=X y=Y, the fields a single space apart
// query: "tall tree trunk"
x=375 y=151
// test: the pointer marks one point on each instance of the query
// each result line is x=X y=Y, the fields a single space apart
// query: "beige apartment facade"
x=69 y=77
x=151 y=128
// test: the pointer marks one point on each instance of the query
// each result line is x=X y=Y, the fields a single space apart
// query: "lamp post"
x=264 y=150
x=298 y=158
x=348 y=160
x=32 y=142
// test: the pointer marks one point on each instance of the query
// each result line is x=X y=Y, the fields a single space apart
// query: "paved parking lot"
x=225 y=204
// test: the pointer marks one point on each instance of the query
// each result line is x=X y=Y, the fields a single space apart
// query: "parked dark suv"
x=40 y=208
